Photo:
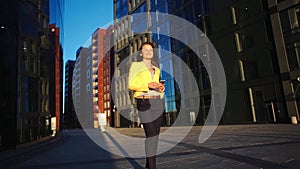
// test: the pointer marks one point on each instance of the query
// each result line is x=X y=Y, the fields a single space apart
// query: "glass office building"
x=26 y=51
x=256 y=42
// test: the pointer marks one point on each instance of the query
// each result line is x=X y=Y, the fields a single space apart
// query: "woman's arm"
x=135 y=81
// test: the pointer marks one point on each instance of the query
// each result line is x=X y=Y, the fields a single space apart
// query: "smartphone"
x=162 y=81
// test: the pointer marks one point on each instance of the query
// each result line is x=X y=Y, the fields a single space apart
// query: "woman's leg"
x=150 y=113
x=152 y=130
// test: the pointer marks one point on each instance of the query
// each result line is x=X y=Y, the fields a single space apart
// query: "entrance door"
x=271 y=111
x=259 y=106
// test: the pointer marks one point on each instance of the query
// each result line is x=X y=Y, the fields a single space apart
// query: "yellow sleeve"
x=136 y=81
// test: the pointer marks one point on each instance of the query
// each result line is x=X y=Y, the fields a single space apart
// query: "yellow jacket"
x=140 y=76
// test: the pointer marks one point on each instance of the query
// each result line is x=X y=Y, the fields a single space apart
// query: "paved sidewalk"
x=253 y=146
x=24 y=150
x=235 y=146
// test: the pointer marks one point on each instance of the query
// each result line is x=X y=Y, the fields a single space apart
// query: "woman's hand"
x=156 y=86
x=161 y=87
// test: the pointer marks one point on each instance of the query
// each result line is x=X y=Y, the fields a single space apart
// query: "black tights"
x=151 y=129
x=150 y=113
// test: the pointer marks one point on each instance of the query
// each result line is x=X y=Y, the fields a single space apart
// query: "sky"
x=82 y=18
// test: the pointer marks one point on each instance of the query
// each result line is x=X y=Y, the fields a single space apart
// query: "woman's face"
x=147 y=52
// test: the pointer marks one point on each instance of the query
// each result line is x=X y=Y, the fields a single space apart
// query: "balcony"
x=95 y=83
x=94 y=70
x=95 y=63
x=95 y=79
x=95 y=56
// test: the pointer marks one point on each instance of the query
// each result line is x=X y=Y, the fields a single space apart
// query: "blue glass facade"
x=139 y=24
x=56 y=15
x=122 y=8
x=164 y=51
x=27 y=10
x=239 y=21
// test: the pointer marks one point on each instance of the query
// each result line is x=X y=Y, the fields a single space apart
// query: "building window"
x=133 y=3
x=122 y=27
x=88 y=62
x=158 y=32
x=250 y=70
x=238 y=42
x=233 y=15
x=294 y=16
x=297 y=53
x=43 y=87
x=24 y=46
x=159 y=49
x=47 y=88
x=293 y=53
x=243 y=41
x=88 y=87
x=42 y=105
x=252 y=104
x=88 y=74
x=161 y=66
x=124 y=100
x=295 y=90
x=242 y=72
x=24 y=63
x=124 y=84
x=120 y=100
x=46 y=105
x=33 y=47
x=33 y=66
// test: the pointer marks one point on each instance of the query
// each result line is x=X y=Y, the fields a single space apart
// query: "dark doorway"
x=271 y=111
x=259 y=107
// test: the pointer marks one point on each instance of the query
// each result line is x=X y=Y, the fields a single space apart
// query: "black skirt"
x=150 y=109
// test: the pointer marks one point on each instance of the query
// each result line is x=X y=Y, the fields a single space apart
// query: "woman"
x=148 y=91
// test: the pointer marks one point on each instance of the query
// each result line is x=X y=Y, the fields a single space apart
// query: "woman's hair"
x=147 y=43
